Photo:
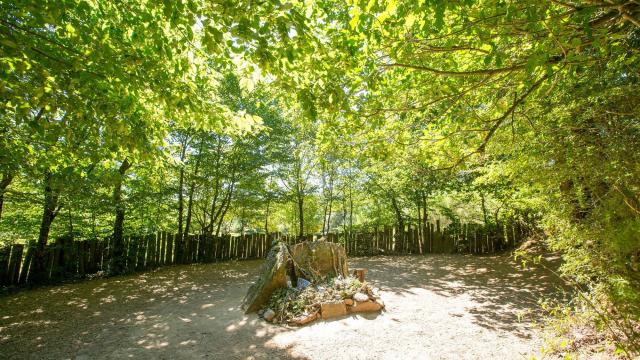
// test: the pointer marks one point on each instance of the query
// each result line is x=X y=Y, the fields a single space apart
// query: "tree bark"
x=329 y=216
x=400 y=221
x=225 y=207
x=266 y=216
x=344 y=217
x=350 y=212
x=38 y=272
x=187 y=226
x=484 y=209
x=4 y=184
x=181 y=185
x=300 y=213
x=118 y=264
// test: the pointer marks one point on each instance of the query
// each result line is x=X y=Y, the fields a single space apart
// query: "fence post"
x=15 y=260
x=26 y=263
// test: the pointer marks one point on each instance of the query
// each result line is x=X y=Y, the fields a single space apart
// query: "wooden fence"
x=68 y=259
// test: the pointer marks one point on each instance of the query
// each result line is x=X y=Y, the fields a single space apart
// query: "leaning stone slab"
x=316 y=259
x=273 y=275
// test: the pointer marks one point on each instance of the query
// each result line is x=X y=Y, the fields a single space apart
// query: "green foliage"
x=326 y=115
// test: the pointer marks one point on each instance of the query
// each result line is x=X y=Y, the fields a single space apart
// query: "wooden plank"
x=69 y=266
x=141 y=253
x=200 y=254
x=80 y=253
x=132 y=253
x=170 y=248
x=55 y=266
x=5 y=253
x=158 y=247
x=151 y=251
x=26 y=262
x=15 y=260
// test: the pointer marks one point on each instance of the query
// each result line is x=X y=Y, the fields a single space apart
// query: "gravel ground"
x=438 y=307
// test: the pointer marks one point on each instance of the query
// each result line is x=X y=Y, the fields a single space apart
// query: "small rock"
x=260 y=312
x=269 y=314
x=348 y=302
x=304 y=319
x=302 y=284
x=360 y=297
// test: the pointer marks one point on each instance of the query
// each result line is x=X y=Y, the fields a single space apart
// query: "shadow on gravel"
x=497 y=283
x=193 y=311
x=181 y=312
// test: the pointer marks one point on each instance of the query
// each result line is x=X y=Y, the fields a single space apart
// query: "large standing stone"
x=273 y=275
x=316 y=259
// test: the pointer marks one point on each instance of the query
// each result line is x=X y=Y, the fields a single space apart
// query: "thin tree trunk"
x=118 y=258
x=181 y=185
x=329 y=212
x=324 y=208
x=328 y=215
x=70 y=222
x=300 y=213
x=400 y=222
x=324 y=219
x=266 y=216
x=350 y=212
x=4 y=184
x=214 y=213
x=93 y=224
x=344 y=218
x=225 y=207
x=180 y=201
x=39 y=273
x=192 y=187
x=419 y=223
x=484 y=209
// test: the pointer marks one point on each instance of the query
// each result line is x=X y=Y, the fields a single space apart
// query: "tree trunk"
x=39 y=273
x=180 y=200
x=324 y=219
x=419 y=223
x=329 y=216
x=183 y=153
x=344 y=218
x=400 y=221
x=192 y=187
x=484 y=209
x=350 y=212
x=324 y=195
x=224 y=207
x=214 y=214
x=118 y=265
x=266 y=217
x=70 y=222
x=4 y=184
x=301 y=214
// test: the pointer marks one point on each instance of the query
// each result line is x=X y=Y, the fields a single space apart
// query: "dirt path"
x=438 y=307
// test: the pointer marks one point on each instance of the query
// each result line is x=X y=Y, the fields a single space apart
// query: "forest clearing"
x=320 y=179
x=439 y=307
